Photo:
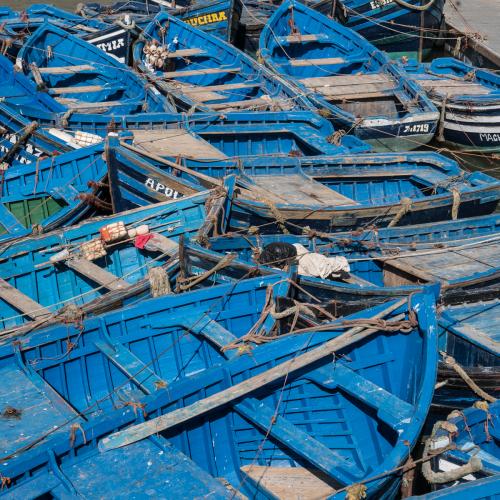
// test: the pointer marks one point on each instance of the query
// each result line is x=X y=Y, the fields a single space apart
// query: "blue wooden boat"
x=475 y=454
x=17 y=26
x=392 y=26
x=84 y=78
x=468 y=333
x=102 y=263
x=393 y=262
x=481 y=489
x=23 y=142
x=203 y=72
x=408 y=28
x=347 y=78
x=55 y=192
x=469 y=99
x=285 y=419
x=323 y=193
x=217 y=17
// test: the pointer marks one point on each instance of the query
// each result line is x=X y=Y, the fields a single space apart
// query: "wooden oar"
x=182 y=415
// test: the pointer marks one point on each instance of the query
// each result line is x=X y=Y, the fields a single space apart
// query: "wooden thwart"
x=302 y=38
x=293 y=188
x=21 y=302
x=96 y=273
x=175 y=142
x=66 y=70
x=185 y=53
x=249 y=103
x=290 y=483
x=319 y=61
x=194 y=72
x=76 y=90
x=71 y=103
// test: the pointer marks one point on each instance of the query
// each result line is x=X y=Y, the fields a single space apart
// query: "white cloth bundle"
x=318 y=265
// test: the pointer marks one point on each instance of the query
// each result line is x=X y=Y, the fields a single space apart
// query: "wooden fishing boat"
x=217 y=17
x=469 y=334
x=266 y=433
x=401 y=28
x=23 y=142
x=469 y=99
x=481 y=489
x=475 y=454
x=407 y=28
x=99 y=264
x=51 y=193
x=203 y=72
x=393 y=262
x=348 y=79
x=323 y=193
x=113 y=39
x=82 y=77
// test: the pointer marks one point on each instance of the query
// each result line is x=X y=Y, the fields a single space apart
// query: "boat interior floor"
x=450 y=87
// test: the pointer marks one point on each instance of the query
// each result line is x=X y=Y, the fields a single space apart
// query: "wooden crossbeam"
x=76 y=90
x=66 y=70
x=317 y=62
x=194 y=72
x=186 y=53
x=21 y=301
x=95 y=273
x=298 y=38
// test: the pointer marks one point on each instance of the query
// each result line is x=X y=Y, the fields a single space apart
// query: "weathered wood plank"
x=298 y=38
x=203 y=406
x=175 y=142
x=21 y=301
x=73 y=104
x=131 y=366
x=66 y=70
x=325 y=81
x=288 y=483
x=76 y=90
x=186 y=53
x=195 y=72
x=95 y=273
x=317 y=62
x=249 y=103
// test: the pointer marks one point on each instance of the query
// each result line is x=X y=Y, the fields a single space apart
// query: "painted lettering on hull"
x=112 y=45
x=416 y=128
x=377 y=4
x=158 y=187
x=215 y=17
x=489 y=137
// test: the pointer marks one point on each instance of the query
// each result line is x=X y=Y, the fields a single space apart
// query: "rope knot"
x=72 y=434
x=356 y=492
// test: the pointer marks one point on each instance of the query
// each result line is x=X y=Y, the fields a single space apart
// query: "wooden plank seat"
x=298 y=189
x=186 y=53
x=21 y=301
x=451 y=87
x=352 y=86
x=299 y=38
x=220 y=88
x=288 y=483
x=81 y=105
x=78 y=90
x=390 y=409
x=95 y=273
x=323 y=61
x=442 y=266
x=196 y=72
x=140 y=373
x=66 y=70
x=175 y=142
x=249 y=103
